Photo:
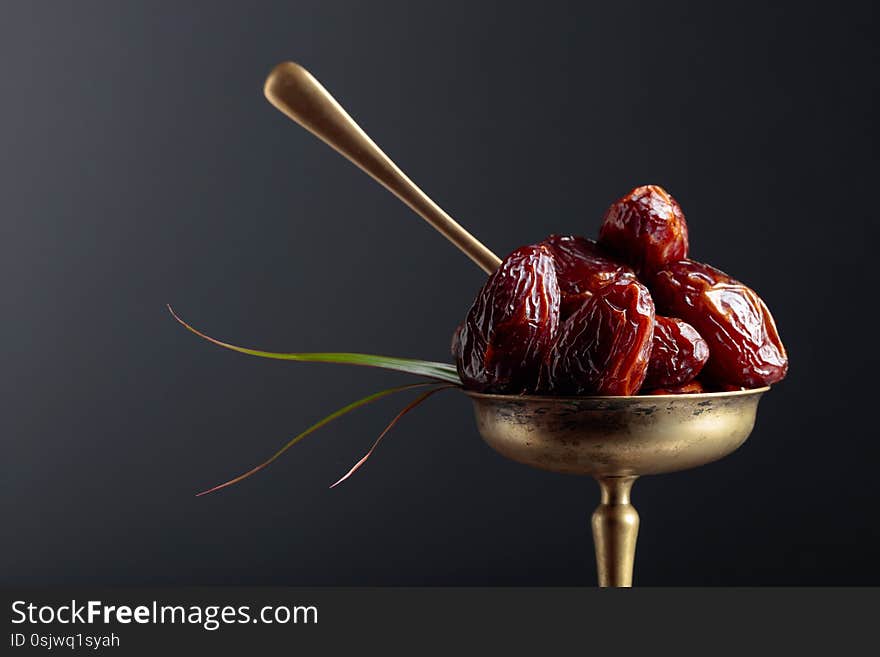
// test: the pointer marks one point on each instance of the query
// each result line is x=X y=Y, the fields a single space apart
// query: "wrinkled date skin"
x=455 y=346
x=677 y=355
x=723 y=387
x=508 y=330
x=744 y=345
x=646 y=229
x=692 y=388
x=582 y=269
x=604 y=347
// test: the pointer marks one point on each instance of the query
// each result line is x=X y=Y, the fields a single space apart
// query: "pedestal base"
x=615 y=529
x=616 y=439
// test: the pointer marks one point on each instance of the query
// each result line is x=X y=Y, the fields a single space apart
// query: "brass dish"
x=616 y=440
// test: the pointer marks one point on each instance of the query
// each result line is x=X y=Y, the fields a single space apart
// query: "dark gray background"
x=140 y=165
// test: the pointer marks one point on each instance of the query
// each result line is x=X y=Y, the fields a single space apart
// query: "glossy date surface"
x=678 y=353
x=604 y=346
x=692 y=388
x=506 y=334
x=646 y=229
x=744 y=345
x=582 y=268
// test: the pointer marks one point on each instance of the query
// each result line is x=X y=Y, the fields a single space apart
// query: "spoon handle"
x=294 y=91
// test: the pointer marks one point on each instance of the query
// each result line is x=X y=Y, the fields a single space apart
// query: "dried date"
x=508 y=330
x=677 y=355
x=604 y=346
x=455 y=345
x=723 y=387
x=692 y=388
x=582 y=269
x=646 y=229
x=744 y=345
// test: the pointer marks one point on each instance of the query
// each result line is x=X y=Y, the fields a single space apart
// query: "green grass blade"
x=293 y=441
x=439 y=371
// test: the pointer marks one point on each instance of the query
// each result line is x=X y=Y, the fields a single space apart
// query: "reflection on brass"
x=615 y=440
x=615 y=529
x=294 y=91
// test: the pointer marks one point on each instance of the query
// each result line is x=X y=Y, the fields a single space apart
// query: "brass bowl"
x=615 y=440
x=616 y=436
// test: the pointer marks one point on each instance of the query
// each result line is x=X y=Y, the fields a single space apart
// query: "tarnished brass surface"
x=616 y=439
x=614 y=436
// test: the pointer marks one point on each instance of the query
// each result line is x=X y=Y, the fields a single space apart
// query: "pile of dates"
x=629 y=314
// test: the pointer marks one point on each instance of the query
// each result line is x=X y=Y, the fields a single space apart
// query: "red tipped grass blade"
x=336 y=414
x=413 y=404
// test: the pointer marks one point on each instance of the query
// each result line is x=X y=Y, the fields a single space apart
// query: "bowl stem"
x=615 y=529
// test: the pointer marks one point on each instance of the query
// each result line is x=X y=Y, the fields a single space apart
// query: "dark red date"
x=646 y=229
x=744 y=345
x=723 y=387
x=582 y=269
x=455 y=346
x=692 y=388
x=507 y=333
x=677 y=355
x=604 y=347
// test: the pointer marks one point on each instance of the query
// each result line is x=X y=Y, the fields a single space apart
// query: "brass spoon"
x=294 y=91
